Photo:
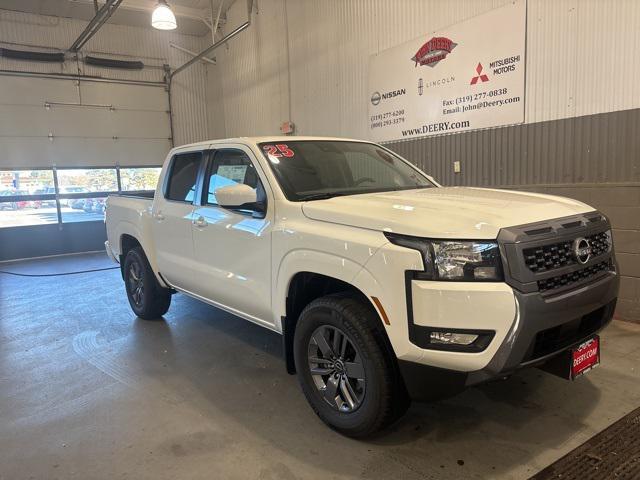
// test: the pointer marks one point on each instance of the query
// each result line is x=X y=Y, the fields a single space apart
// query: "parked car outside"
x=70 y=189
x=94 y=205
x=7 y=205
x=22 y=203
x=77 y=203
x=44 y=203
x=19 y=205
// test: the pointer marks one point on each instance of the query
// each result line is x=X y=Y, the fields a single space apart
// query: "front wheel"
x=147 y=298
x=345 y=370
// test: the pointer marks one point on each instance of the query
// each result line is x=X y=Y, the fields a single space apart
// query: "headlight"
x=459 y=260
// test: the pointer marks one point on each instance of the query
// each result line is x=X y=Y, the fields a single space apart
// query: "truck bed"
x=129 y=213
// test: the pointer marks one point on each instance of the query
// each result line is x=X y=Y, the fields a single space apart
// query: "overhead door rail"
x=100 y=18
x=215 y=45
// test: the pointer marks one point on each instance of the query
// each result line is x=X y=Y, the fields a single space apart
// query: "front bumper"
x=543 y=328
x=546 y=327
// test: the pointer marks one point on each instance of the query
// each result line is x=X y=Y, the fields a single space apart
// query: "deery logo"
x=433 y=51
x=481 y=76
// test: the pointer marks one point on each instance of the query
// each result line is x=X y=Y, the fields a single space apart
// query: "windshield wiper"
x=321 y=196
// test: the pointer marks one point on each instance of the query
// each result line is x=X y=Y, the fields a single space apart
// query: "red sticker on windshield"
x=279 y=150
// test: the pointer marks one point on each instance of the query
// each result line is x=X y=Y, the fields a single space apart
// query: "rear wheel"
x=345 y=370
x=147 y=298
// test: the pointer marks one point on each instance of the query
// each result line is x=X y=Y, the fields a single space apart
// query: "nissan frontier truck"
x=384 y=285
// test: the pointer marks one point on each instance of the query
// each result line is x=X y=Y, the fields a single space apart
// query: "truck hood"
x=447 y=212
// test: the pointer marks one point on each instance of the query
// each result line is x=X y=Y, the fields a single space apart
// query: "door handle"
x=200 y=222
x=159 y=216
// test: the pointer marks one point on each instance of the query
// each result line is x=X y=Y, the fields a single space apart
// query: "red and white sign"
x=585 y=357
x=278 y=150
x=433 y=51
x=464 y=77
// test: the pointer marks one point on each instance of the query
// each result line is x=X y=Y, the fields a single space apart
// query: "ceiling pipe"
x=216 y=24
x=189 y=52
x=147 y=6
x=86 y=78
x=215 y=45
x=95 y=24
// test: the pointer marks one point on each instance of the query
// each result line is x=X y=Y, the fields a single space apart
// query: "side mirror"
x=234 y=196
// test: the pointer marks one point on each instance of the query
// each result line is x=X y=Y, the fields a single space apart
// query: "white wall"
x=310 y=57
x=307 y=60
x=151 y=46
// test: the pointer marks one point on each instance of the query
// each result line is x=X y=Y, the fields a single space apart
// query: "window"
x=316 y=169
x=83 y=209
x=82 y=180
x=26 y=180
x=28 y=197
x=136 y=179
x=183 y=177
x=72 y=183
x=231 y=167
x=21 y=201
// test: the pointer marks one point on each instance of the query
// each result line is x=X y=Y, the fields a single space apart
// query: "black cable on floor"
x=56 y=274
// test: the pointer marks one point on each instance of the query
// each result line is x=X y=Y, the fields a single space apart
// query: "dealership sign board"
x=467 y=76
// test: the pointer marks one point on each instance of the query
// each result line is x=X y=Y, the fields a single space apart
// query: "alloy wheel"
x=336 y=368
x=136 y=285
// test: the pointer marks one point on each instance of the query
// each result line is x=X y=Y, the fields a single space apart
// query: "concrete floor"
x=88 y=391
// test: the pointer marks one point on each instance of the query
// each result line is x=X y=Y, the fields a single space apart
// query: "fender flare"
x=323 y=263
x=127 y=228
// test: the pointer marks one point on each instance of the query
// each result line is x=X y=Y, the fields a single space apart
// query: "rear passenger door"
x=172 y=216
x=233 y=246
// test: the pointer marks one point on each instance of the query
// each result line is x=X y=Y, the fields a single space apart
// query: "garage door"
x=68 y=123
x=65 y=144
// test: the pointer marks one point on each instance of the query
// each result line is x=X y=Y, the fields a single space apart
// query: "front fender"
x=323 y=263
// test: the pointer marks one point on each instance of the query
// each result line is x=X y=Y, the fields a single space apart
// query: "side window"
x=183 y=177
x=230 y=167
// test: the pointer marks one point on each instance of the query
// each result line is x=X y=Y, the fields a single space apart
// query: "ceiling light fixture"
x=162 y=17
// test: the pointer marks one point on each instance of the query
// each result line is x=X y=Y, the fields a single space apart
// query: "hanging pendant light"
x=163 y=18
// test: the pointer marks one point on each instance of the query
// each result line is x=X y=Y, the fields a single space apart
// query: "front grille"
x=600 y=243
x=560 y=281
x=543 y=256
x=556 y=255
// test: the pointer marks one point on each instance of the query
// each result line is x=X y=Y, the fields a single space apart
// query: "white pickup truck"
x=384 y=285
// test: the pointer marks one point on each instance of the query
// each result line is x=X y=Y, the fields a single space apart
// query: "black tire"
x=380 y=396
x=147 y=298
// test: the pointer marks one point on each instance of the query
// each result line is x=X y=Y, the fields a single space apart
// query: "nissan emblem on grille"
x=581 y=250
x=559 y=254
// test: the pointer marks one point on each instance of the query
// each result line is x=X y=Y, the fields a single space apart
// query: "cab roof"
x=255 y=140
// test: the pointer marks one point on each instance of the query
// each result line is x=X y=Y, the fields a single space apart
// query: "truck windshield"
x=319 y=169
